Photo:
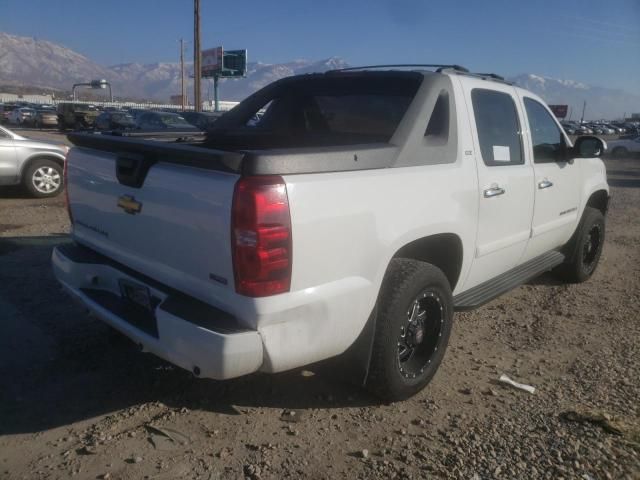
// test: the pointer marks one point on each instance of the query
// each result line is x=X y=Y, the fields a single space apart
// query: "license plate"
x=136 y=294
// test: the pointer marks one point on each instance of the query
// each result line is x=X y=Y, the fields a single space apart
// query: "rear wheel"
x=43 y=178
x=620 y=152
x=413 y=324
x=587 y=248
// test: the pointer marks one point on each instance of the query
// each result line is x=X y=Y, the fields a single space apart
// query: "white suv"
x=354 y=217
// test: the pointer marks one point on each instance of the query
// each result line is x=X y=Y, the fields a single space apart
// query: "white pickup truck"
x=356 y=214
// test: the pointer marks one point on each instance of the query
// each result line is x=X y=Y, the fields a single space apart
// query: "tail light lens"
x=261 y=236
x=65 y=185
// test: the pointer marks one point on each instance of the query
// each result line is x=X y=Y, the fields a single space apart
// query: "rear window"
x=322 y=110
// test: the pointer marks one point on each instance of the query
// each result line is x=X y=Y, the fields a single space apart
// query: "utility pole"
x=197 y=71
x=183 y=92
x=584 y=106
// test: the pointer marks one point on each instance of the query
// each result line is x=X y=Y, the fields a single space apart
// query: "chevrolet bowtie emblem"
x=129 y=204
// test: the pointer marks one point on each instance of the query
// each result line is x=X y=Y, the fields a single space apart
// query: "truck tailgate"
x=174 y=228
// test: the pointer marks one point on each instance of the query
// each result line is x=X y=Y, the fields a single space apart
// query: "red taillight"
x=65 y=185
x=261 y=236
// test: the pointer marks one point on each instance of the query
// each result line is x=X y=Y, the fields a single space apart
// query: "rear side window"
x=547 y=140
x=438 y=125
x=498 y=127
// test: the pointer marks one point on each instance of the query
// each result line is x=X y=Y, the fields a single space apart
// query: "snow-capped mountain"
x=27 y=61
x=33 y=62
x=39 y=63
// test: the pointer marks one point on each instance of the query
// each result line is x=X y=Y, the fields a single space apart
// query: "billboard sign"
x=560 y=111
x=234 y=63
x=211 y=61
x=218 y=63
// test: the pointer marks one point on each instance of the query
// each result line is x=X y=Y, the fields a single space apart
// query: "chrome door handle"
x=494 y=191
x=545 y=184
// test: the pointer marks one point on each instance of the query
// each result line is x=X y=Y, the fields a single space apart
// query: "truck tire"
x=413 y=325
x=43 y=178
x=586 y=248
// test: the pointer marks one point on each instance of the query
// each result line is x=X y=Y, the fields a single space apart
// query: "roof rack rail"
x=490 y=75
x=403 y=65
x=439 y=69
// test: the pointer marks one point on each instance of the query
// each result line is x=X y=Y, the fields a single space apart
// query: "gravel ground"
x=78 y=400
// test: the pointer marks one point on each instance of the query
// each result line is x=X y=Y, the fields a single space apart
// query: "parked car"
x=115 y=120
x=37 y=165
x=5 y=111
x=341 y=222
x=582 y=129
x=632 y=128
x=201 y=120
x=617 y=129
x=164 y=121
x=569 y=128
x=136 y=112
x=47 y=118
x=76 y=115
x=625 y=146
x=21 y=115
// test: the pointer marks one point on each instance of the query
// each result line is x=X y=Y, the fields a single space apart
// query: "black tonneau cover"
x=179 y=153
x=249 y=162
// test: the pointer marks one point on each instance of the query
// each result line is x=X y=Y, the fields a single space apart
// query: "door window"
x=498 y=127
x=546 y=137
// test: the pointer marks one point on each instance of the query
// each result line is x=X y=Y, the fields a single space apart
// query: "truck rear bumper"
x=178 y=328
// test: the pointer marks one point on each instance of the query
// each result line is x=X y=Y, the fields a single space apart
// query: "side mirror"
x=589 y=147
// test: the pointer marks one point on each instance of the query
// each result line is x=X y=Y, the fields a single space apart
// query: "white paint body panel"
x=346 y=227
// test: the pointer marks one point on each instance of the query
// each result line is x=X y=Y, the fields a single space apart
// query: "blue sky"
x=593 y=41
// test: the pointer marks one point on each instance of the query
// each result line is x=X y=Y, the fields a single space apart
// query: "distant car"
x=202 y=120
x=136 y=112
x=624 y=147
x=37 y=165
x=164 y=121
x=44 y=118
x=5 y=111
x=76 y=115
x=115 y=120
x=617 y=129
x=21 y=115
x=569 y=129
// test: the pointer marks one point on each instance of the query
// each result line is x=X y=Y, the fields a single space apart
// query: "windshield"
x=122 y=117
x=173 y=120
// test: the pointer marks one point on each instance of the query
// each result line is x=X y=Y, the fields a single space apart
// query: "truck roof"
x=424 y=68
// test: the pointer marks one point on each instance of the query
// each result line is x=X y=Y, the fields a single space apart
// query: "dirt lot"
x=78 y=400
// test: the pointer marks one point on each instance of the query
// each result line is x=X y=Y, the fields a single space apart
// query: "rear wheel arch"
x=442 y=250
x=599 y=200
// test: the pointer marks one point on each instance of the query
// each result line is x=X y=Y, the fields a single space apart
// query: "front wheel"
x=587 y=248
x=44 y=179
x=413 y=325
